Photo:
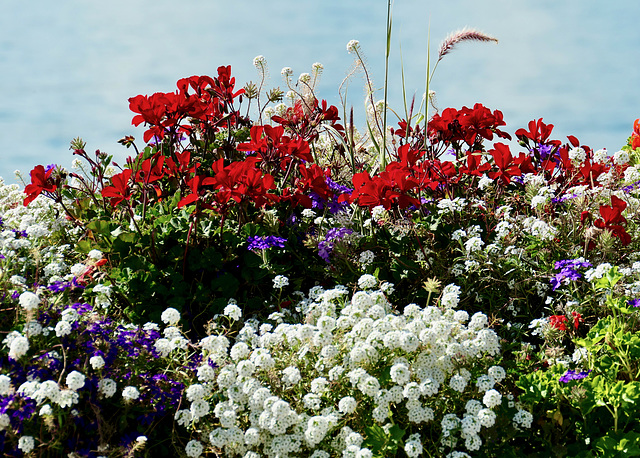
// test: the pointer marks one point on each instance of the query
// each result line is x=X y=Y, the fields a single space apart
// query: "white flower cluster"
x=293 y=389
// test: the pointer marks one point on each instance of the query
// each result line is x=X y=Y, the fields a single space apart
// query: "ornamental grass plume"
x=461 y=35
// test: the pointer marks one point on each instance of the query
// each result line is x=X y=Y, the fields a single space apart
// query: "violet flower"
x=634 y=302
x=325 y=247
x=571 y=375
x=568 y=271
x=257 y=242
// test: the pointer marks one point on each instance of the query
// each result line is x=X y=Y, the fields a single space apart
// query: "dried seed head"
x=461 y=35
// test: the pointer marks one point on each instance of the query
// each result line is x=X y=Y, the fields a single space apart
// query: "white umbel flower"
x=29 y=301
x=170 y=316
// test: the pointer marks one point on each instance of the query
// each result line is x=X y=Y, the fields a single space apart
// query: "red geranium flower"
x=40 y=181
x=612 y=219
x=558 y=322
x=120 y=190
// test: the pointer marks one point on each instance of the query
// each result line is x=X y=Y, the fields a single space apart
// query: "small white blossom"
x=130 y=393
x=170 y=316
x=97 y=362
x=75 y=380
x=280 y=281
x=26 y=444
x=29 y=301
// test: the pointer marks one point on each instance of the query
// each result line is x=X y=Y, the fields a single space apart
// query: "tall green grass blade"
x=383 y=151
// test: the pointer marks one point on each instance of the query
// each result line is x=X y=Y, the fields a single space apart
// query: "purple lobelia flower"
x=571 y=375
x=568 y=271
x=257 y=242
x=325 y=247
x=634 y=302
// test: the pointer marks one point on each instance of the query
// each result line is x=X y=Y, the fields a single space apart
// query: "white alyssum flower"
x=522 y=418
x=233 y=311
x=577 y=155
x=621 y=157
x=5 y=385
x=75 y=380
x=484 y=182
x=95 y=255
x=29 y=301
x=366 y=258
x=492 y=398
x=107 y=387
x=26 y=444
x=130 y=393
x=473 y=244
x=600 y=156
x=353 y=46
x=97 y=362
x=19 y=347
x=170 y=316
x=304 y=78
x=450 y=296
x=193 y=449
x=280 y=281
x=45 y=410
x=367 y=281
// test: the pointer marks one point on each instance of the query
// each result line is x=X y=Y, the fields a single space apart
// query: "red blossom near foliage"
x=635 y=137
x=473 y=166
x=577 y=319
x=241 y=181
x=539 y=132
x=590 y=172
x=388 y=188
x=151 y=169
x=505 y=163
x=405 y=129
x=40 y=181
x=224 y=84
x=176 y=170
x=409 y=156
x=164 y=112
x=304 y=118
x=612 y=219
x=467 y=124
x=119 y=190
x=314 y=179
x=558 y=322
x=272 y=146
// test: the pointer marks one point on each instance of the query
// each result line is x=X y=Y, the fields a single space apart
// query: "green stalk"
x=383 y=150
x=426 y=100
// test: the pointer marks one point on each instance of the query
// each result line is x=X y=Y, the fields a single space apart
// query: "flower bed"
x=289 y=287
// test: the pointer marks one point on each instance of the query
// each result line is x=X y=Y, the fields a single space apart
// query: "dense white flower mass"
x=275 y=385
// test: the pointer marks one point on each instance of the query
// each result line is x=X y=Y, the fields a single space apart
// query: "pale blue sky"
x=69 y=67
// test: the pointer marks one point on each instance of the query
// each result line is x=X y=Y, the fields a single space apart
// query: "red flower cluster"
x=468 y=125
x=166 y=113
x=559 y=322
x=389 y=188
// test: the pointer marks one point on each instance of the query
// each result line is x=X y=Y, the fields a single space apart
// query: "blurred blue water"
x=68 y=67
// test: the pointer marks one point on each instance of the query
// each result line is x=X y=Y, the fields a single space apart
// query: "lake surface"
x=68 y=67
